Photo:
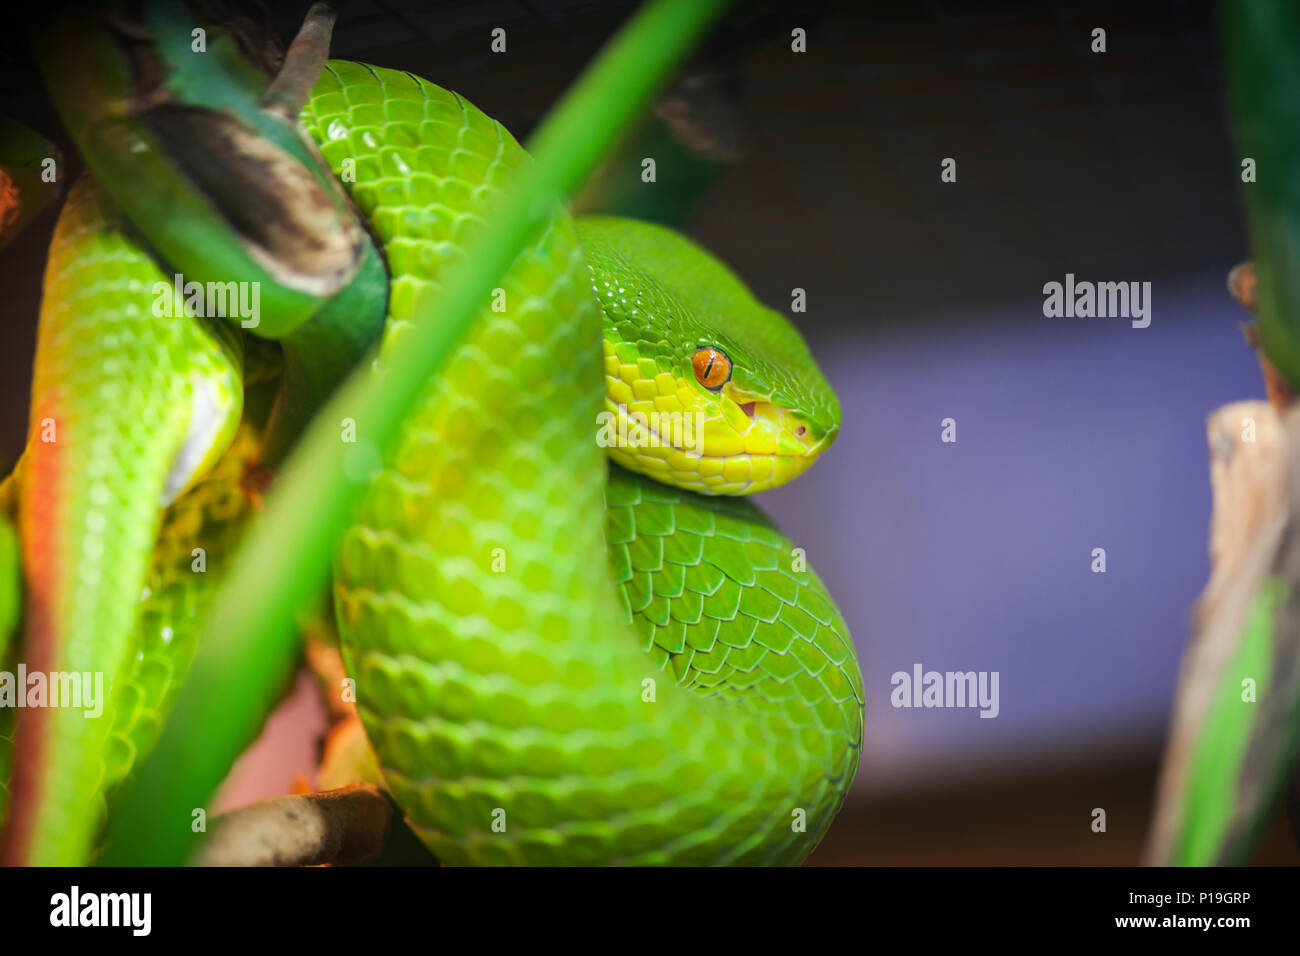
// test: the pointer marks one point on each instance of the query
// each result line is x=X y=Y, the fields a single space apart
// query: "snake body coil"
x=557 y=660
x=515 y=713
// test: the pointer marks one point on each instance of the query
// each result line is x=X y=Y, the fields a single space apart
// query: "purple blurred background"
x=1072 y=434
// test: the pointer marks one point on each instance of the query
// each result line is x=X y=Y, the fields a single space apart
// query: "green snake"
x=562 y=652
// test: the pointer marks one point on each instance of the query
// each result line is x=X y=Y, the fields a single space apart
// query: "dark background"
x=925 y=302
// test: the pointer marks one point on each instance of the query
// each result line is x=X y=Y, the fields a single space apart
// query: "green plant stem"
x=250 y=645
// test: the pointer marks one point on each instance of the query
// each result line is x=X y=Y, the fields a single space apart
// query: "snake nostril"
x=748 y=408
x=801 y=431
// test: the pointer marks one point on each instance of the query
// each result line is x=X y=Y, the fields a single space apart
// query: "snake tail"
x=127 y=408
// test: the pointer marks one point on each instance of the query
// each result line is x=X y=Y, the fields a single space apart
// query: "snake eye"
x=712 y=368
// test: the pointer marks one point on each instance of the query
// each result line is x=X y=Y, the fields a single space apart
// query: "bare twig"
x=302 y=64
x=1242 y=284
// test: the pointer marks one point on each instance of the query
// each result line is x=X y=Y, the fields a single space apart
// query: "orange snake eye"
x=712 y=368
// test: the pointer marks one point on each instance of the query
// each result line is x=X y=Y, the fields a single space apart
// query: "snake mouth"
x=804 y=448
x=756 y=444
x=739 y=473
x=811 y=454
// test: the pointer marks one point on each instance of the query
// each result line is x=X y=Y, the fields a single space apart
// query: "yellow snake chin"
x=711 y=447
x=732 y=475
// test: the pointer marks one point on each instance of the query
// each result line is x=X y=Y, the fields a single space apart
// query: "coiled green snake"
x=557 y=658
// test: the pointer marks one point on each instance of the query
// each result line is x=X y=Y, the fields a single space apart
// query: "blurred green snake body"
x=556 y=659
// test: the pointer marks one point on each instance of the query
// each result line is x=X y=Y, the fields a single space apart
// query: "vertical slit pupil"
x=712 y=367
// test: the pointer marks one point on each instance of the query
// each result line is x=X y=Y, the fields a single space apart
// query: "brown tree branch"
x=336 y=826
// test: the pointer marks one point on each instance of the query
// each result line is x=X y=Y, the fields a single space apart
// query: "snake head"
x=706 y=388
